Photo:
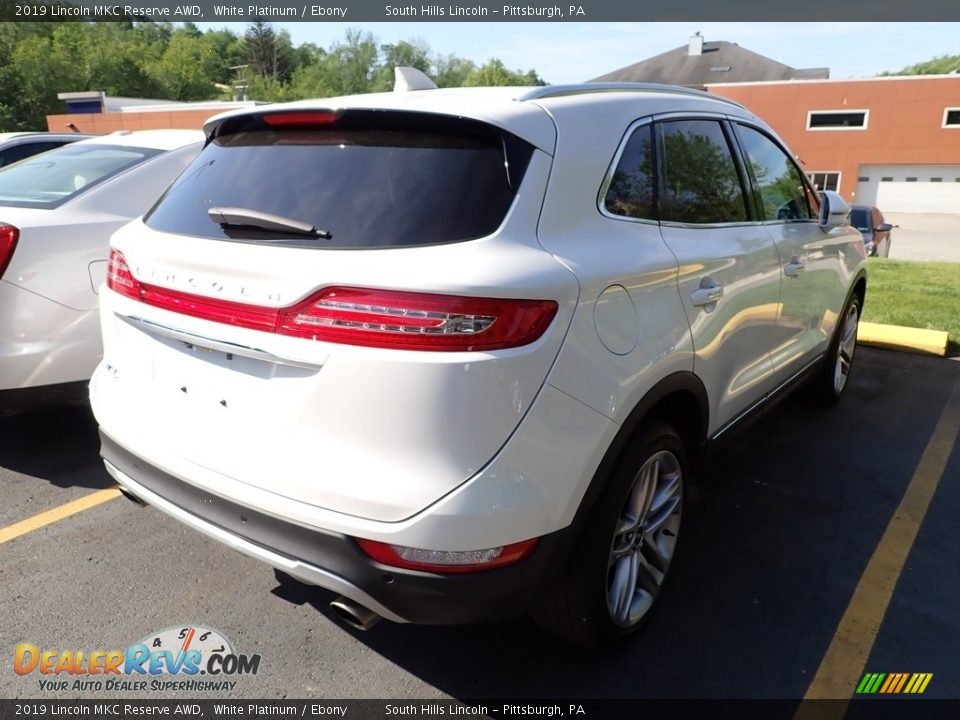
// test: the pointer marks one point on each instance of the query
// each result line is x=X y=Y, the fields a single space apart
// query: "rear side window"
x=700 y=183
x=368 y=179
x=50 y=179
x=779 y=184
x=630 y=193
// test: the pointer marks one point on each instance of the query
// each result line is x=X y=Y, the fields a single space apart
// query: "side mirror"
x=834 y=211
x=884 y=227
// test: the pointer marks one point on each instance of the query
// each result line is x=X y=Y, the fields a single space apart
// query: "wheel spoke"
x=643 y=490
x=668 y=490
x=653 y=556
x=659 y=516
x=648 y=578
x=621 y=589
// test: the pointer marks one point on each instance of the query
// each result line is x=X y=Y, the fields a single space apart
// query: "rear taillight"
x=447 y=561
x=8 y=243
x=357 y=316
x=417 y=321
x=119 y=277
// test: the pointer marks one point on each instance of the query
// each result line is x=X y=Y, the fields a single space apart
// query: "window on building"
x=911 y=179
x=837 y=120
x=886 y=179
x=825 y=180
x=863 y=179
x=951 y=117
x=936 y=179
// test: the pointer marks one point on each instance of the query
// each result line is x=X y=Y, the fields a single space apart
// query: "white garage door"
x=910 y=188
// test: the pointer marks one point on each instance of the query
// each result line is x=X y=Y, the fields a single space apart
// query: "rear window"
x=860 y=219
x=50 y=179
x=369 y=180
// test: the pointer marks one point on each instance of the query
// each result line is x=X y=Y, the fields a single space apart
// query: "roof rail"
x=549 y=91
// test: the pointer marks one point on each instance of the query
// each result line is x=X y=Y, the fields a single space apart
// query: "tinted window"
x=700 y=183
x=779 y=184
x=952 y=118
x=631 y=188
x=860 y=219
x=48 y=180
x=19 y=152
x=368 y=182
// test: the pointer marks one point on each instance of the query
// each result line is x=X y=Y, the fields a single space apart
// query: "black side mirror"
x=884 y=227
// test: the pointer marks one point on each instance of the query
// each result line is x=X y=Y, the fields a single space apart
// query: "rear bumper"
x=334 y=561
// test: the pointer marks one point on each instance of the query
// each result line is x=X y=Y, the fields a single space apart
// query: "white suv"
x=447 y=352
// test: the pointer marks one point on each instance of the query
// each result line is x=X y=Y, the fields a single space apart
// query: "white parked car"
x=447 y=353
x=57 y=212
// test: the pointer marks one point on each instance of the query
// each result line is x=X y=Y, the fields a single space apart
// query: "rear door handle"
x=793 y=268
x=707 y=295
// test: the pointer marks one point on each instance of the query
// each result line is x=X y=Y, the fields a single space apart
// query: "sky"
x=570 y=52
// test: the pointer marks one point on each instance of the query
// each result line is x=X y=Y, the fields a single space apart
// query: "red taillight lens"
x=119 y=277
x=300 y=119
x=356 y=316
x=447 y=561
x=417 y=321
x=8 y=243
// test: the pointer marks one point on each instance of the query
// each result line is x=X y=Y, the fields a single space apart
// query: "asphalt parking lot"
x=790 y=521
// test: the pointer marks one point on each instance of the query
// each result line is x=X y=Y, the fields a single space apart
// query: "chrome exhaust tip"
x=354 y=614
x=131 y=497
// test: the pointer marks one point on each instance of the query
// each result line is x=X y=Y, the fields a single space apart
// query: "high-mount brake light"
x=8 y=243
x=447 y=561
x=310 y=118
x=357 y=316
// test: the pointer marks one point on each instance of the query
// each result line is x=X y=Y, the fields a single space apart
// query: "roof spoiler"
x=408 y=78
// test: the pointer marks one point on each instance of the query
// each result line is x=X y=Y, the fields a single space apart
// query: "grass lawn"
x=915 y=294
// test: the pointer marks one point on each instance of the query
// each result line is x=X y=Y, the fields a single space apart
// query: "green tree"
x=941 y=65
x=452 y=71
x=494 y=73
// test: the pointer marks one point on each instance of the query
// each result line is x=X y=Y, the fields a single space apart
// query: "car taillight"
x=417 y=321
x=119 y=277
x=358 y=316
x=447 y=561
x=8 y=243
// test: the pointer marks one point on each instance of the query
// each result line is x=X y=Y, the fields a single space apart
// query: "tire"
x=834 y=376
x=625 y=550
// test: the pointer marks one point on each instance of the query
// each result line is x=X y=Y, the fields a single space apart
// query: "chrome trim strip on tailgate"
x=192 y=339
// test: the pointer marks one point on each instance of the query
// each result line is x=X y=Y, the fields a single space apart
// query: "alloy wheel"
x=645 y=539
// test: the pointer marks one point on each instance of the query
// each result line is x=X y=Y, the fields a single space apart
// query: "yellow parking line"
x=58 y=513
x=846 y=657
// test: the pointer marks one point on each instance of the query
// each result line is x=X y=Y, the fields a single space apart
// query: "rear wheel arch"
x=679 y=400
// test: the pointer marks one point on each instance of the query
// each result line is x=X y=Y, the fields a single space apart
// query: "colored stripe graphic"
x=893 y=683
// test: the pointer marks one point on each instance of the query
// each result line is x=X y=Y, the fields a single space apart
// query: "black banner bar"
x=475 y=10
x=434 y=709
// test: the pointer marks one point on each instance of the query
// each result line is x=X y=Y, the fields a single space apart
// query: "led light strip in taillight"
x=360 y=316
x=447 y=561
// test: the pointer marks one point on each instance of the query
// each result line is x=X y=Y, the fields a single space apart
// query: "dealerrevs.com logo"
x=191 y=658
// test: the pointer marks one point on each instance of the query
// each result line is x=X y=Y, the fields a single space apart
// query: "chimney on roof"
x=696 y=45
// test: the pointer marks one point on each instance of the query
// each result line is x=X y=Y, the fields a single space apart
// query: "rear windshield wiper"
x=247 y=218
